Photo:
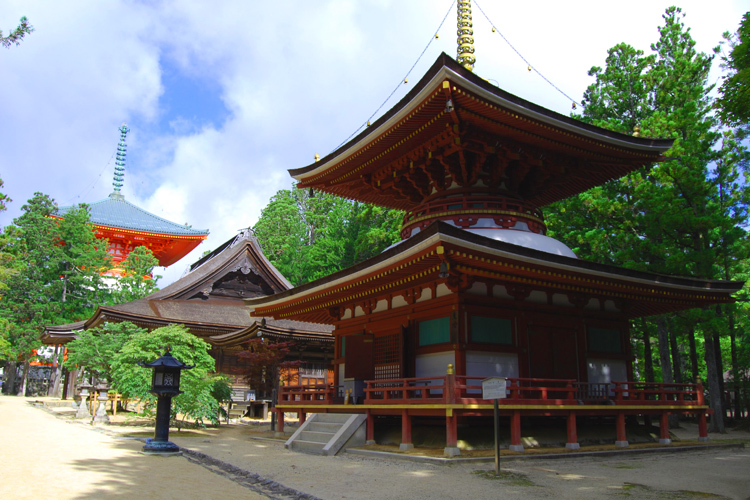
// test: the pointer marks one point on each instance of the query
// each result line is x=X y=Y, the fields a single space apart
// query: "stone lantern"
x=165 y=384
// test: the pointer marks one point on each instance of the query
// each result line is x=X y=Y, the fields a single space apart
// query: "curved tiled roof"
x=115 y=211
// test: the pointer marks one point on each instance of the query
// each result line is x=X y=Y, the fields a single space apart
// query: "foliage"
x=265 y=360
x=685 y=216
x=3 y=198
x=15 y=36
x=55 y=274
x=95 y=349
x=134 y=381
x=734 y=101
x=309 y=237
x=137 y=280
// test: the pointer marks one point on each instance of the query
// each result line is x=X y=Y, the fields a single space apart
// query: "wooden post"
x=302 y=417
x=515 y=432
x=572 y=443
x=622 y=439
x=451 y=434
x=279 y=423
x=406 y=443
x=664 y=428
x=449 y=395
x=702 y=428
x=370 y=428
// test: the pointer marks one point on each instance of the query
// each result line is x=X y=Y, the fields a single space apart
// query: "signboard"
x=494 y=388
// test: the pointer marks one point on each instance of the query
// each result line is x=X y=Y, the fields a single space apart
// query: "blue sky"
x=223 y=97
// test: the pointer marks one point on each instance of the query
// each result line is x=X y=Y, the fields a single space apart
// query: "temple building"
x=208 y=301
x=476 y=289
x=126 y=226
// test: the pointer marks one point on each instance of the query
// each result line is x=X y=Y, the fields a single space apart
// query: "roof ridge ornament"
x=465 y=51
x=120 y=162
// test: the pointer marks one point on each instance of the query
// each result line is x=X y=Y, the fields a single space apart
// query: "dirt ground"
x=44 y=450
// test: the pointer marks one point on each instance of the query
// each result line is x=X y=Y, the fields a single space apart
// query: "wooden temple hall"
x=475 y=289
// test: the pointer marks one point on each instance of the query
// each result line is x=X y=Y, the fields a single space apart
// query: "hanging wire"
x=495 y=29
x=402 y=81
x=94 y=184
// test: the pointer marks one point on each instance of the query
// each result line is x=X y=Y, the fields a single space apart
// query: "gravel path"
x=43 y=454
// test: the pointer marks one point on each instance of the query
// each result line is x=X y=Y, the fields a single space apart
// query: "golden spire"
x=465 y=35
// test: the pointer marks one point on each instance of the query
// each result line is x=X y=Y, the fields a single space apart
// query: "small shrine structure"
x=476 y=289
x=126 y=226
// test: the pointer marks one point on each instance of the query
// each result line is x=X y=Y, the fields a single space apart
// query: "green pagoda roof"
x=114 y=211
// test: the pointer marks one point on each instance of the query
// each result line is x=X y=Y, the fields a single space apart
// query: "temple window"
x=434 y=331
x=486 y=330
x=605 y=340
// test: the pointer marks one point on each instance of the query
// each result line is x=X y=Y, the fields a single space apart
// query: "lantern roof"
x=167 y=361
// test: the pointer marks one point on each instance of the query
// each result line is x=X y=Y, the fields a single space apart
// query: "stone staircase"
x=328 y=433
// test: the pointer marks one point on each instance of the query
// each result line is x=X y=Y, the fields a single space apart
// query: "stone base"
x=665 y=441
x=83 y=412
x=279 y=435
x=405 y=446
x=159 y=447
x=451 y=451
x=622 y=444
x=100 y=420
x=703 y=439
x=516 y=447
x=370 y=442
x=572 y=446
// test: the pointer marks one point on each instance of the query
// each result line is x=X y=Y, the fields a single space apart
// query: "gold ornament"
x=465 y=51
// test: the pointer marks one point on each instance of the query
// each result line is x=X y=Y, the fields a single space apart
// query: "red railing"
x=459 y=389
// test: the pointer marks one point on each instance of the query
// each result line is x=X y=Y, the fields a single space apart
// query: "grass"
x=506 y=477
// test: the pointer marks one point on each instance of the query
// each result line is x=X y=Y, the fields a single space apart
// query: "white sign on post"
x=494 y=388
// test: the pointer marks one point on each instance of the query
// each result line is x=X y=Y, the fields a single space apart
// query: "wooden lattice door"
x=388 y=357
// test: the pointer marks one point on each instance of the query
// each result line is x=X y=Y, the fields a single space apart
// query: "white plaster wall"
x=490 y=364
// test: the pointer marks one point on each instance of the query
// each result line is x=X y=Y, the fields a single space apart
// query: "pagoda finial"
x=120 y=159
x=465 y=35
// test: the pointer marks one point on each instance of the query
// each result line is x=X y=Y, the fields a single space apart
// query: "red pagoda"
x=476 y=289
x=127 y=226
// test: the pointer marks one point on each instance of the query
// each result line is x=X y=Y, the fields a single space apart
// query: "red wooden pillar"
x=515 y=432
x=664 y=428
x=406 y=444
x=622 y=438
x=451 y=435
x=572 y=443
x=279 y=421
x=302 y=417
x=702 y=428
x=370 y=428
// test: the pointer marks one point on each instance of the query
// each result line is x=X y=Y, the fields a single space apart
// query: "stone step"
x=316 y=437
x=336 y=418
x=307 y=447
x=331 y=427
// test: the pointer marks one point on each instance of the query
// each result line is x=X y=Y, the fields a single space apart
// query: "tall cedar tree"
x=683 y=216
x=58 y=278
x=734 y=92
x=137 y=280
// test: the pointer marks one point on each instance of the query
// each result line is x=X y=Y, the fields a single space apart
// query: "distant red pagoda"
x=127 y=226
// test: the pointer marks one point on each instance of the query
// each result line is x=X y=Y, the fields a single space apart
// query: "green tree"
x=137 y=280
x=95 y=349
x=57 y=273
x=308 y=237
x=684 y=216
x=134 y=381
x=734 y=92
x=15 y=36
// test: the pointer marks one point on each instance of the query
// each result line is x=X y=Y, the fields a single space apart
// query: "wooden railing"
x=459 y=389
x=307 y=394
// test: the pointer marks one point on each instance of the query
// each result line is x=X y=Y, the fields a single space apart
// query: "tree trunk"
x=693 y=353
x=720 y=369
x=714 y=389
x=666 y=362
x=10 y=377
x=24 y=379
x=736 y=375
x=54 y=386
x=648 y=359
x=676 y=359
